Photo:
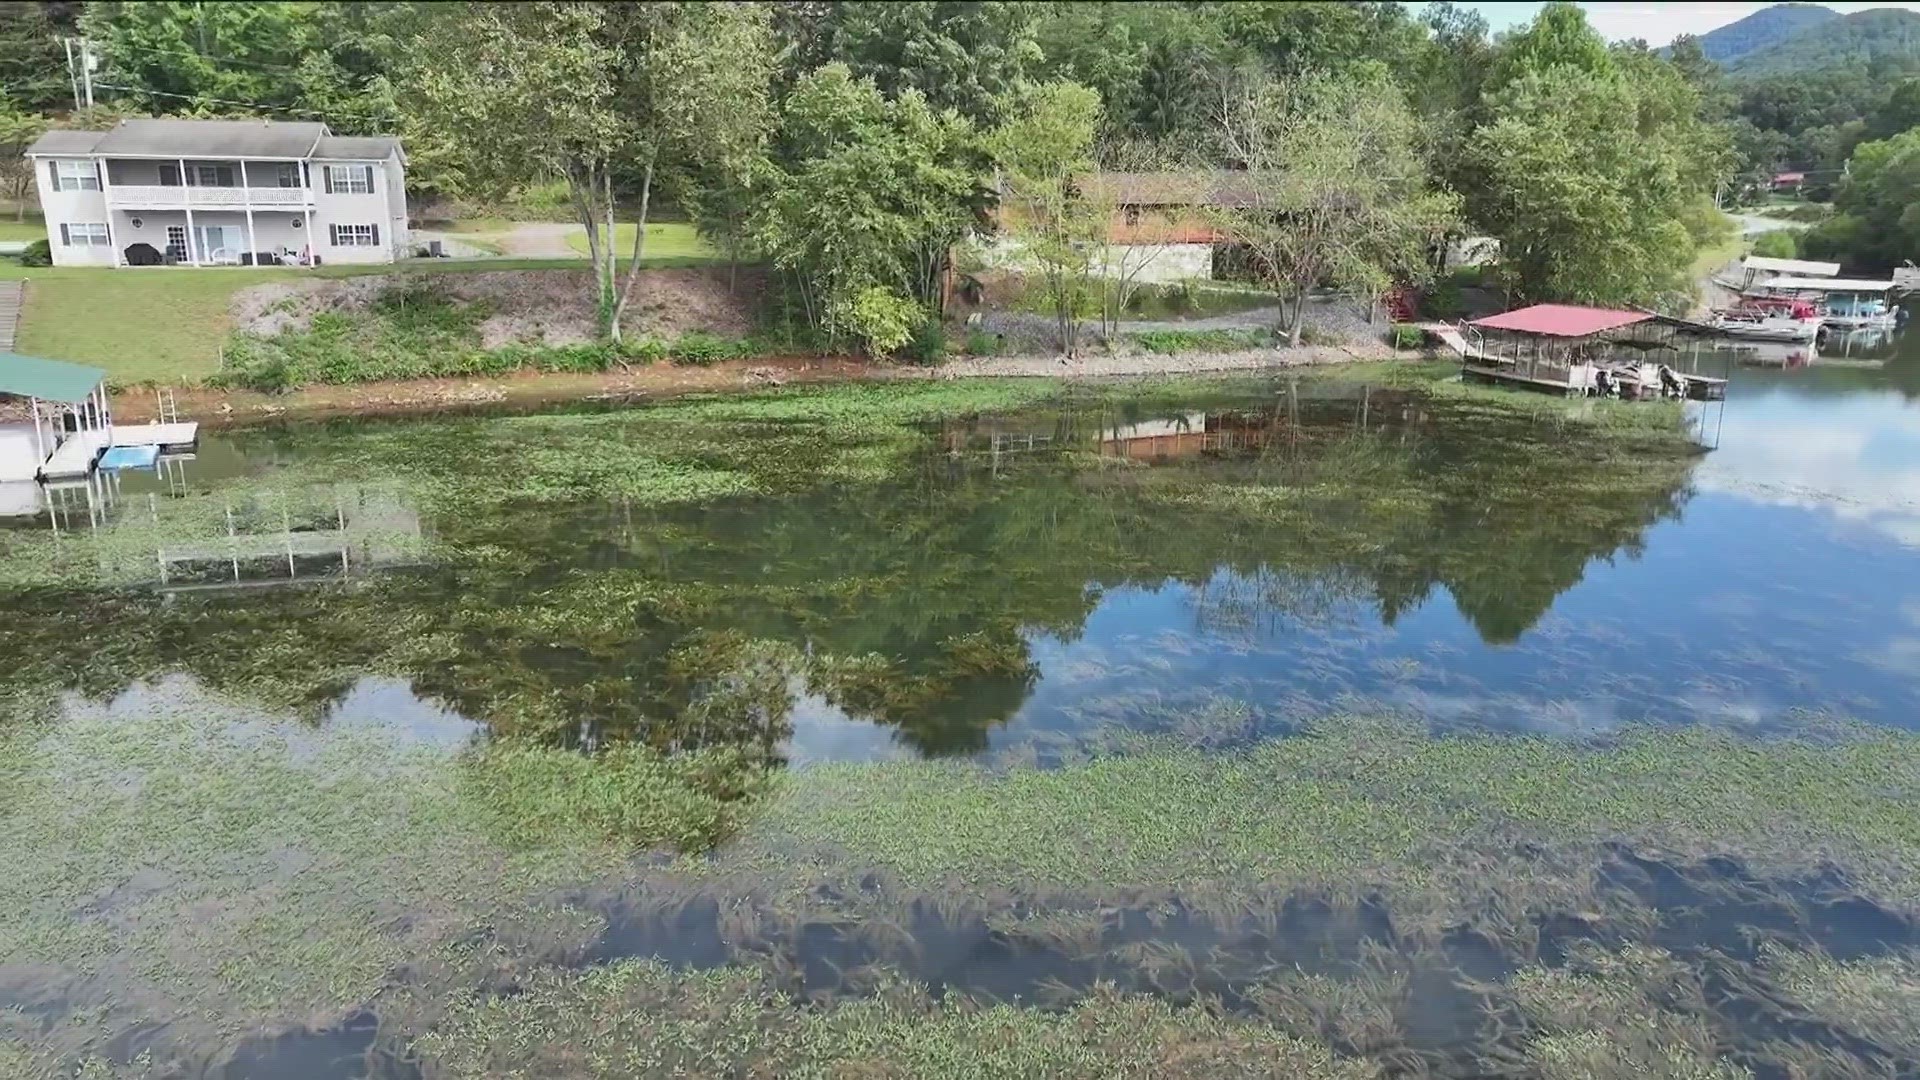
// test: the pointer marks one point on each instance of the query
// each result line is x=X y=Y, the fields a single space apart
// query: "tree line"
x=854 y=147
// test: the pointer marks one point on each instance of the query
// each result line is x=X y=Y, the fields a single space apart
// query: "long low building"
x=220 y=193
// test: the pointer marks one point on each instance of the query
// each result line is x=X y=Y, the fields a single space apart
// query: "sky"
x=1659 y=24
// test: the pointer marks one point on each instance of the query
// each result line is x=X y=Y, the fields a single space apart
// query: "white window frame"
x=76 y=176
x=352 y=236
x=350 y=179
x=209 y=176
x=85 y=234
x=289 y=174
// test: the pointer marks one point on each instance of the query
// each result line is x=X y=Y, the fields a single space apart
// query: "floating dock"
x=1582 y=351
x=79 y=454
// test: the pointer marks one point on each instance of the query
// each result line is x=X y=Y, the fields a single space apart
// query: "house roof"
x=211 y=138
x=1561 y=320
x=1811 y=284
x=48 y=380
x=1220 y=187
x=357 y=147
x=1791 y=266
x=63 y=141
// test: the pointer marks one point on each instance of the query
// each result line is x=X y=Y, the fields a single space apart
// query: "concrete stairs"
x=12 y=293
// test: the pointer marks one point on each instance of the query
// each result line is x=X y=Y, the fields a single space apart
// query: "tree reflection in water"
x=912 y=600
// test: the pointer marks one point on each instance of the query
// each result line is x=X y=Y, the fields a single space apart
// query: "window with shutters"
x=84 y=234
x=350 y=179
x=75 y=176
x=354 y=235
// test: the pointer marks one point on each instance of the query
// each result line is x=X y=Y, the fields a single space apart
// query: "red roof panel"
x=1561 y=320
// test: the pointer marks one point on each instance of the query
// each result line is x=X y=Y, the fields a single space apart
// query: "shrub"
x=883 y=320
x=699 y=349
x=38 y=253
x=1172 y=342
x=928 y=344
x=646 y=350
x=1777 y=244
x=1313 y=335
x=981 y=343
x=1444 y=300
x=576 y=358
x=1406 y=336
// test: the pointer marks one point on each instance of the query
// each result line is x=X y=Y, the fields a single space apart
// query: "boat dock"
x=70 y=422
x=79 y=453
x=1581 y=351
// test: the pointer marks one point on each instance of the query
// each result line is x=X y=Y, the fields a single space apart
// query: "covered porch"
x=188 y=237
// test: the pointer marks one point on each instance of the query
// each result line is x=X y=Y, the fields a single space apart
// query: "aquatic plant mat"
x=190 y=885
x=489 y=746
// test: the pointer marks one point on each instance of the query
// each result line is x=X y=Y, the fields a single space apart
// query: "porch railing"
x=155 y=197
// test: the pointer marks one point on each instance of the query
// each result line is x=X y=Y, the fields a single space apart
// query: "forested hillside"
x=856 y=148
x=1762 y=30
x=1880 y=42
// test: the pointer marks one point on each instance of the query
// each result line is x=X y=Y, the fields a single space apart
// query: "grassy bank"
x=172 y=326
x=665 y=240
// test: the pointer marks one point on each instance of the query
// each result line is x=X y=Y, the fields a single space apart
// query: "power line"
x=202 y=99
x=124 y=47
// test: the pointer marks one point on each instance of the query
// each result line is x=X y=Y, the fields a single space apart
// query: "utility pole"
x=86 y=69
x=73 y=79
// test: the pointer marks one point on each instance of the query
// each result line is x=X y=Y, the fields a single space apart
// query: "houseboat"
x=1755 y=270
x=1769 y=320
x=1845 y=303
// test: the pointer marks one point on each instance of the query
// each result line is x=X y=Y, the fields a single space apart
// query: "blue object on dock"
x=130 y=457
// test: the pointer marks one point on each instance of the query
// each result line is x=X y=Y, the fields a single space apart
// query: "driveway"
x=537 y=240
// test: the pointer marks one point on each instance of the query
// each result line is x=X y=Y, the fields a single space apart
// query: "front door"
x=177 y=243
x=218 y=243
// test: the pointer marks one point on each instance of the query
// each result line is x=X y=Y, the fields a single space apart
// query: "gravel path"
x=1157 y=364
x=537 y=240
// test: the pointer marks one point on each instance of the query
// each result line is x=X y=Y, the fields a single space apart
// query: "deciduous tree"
x=1059 y=221
x=1596 y=169
x=17 y=132
x=605 y=95
x=1327 y=186
x=862 y=191
x=1878 y=204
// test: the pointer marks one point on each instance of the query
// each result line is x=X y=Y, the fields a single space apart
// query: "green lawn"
x=168 y=325
x=1715 y=256
x=665 y=240
x=31 y=229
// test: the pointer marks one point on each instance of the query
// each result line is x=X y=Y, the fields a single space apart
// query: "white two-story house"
x=220 y=193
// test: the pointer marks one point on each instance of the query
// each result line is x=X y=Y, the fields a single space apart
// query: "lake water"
x=1031 y=577
x=821 y=581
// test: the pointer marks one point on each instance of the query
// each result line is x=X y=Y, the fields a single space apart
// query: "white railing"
x=155 y=197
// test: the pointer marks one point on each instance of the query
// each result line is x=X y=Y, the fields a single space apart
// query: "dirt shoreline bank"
x=219 y=408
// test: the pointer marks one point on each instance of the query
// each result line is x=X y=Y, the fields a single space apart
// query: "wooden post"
x=186 y=197
x=246 y=199
x=39 y=442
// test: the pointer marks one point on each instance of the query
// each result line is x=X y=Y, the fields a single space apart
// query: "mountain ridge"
x=1762 y=30
x=1879 y=40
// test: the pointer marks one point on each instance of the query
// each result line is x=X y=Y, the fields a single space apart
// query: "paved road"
x=1753 y=224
